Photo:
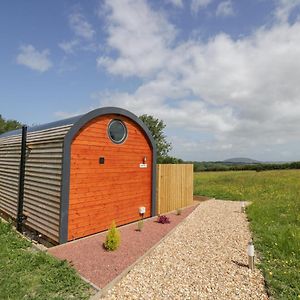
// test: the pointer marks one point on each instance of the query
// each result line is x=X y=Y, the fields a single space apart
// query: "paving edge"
x=111 y=284
x=95 y=287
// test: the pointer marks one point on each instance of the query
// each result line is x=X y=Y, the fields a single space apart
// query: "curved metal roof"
x=59 y=123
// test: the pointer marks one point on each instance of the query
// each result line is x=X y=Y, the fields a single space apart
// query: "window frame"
x=125 y=131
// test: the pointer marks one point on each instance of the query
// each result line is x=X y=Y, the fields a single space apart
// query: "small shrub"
x=140 y=225
x=112 y=241
x=163 y=219
x=179 y=211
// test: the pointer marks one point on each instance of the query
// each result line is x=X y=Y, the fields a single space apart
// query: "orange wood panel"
x=101 y=193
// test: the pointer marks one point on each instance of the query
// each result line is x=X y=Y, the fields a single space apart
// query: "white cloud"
x=233 y=97
x=81 y=26
x=33 y=59
x=139 y=35
x=69 y=47
x=284 y=9
x=225 y=9
x=177 y=3
x=196 y=5
x=84 y=34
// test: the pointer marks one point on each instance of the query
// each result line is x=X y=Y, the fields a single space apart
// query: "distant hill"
x=241 y=160
x=242 y=164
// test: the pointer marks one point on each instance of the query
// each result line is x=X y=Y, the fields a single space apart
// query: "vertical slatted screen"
x=174 y=187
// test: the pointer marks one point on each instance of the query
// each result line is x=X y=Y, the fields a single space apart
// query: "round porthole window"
x=117 y=131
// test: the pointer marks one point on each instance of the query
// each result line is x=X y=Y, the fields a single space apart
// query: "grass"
x=29 y=274
x=274 y=219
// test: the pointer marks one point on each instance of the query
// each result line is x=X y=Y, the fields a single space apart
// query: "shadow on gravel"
x=240 y=264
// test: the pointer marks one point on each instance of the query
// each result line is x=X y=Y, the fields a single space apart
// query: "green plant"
x=7 y=125
x=112 y=240
x=140 y=225
x=178 y=211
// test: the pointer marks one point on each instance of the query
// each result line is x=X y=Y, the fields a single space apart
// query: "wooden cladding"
x=10 y=153
x=42 y=184
x=77 y=180
x=113 y=189
x=174 y=187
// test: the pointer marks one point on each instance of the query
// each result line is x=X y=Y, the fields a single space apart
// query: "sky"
x=223 y=75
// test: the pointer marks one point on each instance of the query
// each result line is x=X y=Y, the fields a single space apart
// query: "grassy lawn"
x=29 y=274
x=274 y=216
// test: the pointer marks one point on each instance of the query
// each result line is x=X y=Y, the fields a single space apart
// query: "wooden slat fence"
x=174 y=187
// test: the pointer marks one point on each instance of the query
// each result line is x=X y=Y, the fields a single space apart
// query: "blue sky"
x=222 y=74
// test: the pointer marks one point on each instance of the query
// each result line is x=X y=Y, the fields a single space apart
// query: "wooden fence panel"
x=174 y=187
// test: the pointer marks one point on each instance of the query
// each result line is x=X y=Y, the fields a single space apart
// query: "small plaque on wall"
x=143 y=166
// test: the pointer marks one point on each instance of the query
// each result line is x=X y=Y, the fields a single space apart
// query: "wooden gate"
x=174 y=187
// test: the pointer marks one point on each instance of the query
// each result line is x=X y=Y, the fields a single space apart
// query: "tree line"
x=258 y=167
x=8 y=125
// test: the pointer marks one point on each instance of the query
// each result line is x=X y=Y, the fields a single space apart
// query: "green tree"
x=113 y=239
x=156 y=128
x=7 y=125
x=171 y=160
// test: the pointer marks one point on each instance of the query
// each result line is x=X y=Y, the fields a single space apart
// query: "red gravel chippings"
x=99 y=266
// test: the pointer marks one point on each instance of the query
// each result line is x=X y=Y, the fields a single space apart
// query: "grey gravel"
x=204 y=258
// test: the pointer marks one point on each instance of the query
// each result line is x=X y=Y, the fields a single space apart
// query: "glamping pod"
x=80 y=174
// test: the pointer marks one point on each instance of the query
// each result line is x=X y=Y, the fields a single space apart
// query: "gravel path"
x=204 y=258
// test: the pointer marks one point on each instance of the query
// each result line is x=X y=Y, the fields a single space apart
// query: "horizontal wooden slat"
x=8 y=210
x=42 y=178
x=6 y=180
x=33 y=159
x=8 y=168
x=46 y=180
x=8 y=203
x=42 y=190
x=12 y=193
x=47 y=223
x=44 y=229
x=40 y=169
x=41 y=194
x=41 y=185
x=31 y=198
x=40 y=211
x=10 y=163
x=37 y=135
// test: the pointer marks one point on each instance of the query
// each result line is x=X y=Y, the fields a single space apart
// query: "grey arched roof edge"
x=84 y=119
x=65 y=184
x=68 y=121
